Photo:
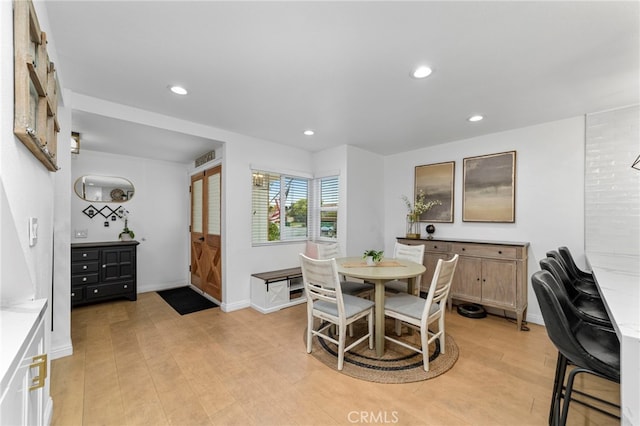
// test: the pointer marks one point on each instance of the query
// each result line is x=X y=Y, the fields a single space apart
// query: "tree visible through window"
x=329 y=207
x=279 y=207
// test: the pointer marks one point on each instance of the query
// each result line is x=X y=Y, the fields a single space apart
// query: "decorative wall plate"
x=117 y=194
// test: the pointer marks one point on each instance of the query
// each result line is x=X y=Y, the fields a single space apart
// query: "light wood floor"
x=141 y=363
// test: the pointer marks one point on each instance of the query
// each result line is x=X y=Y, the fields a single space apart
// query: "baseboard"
x=60 y=351
x=230 y=307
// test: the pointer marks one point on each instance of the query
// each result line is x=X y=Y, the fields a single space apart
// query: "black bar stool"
x=591 y=348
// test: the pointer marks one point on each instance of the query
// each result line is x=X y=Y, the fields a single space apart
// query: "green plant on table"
x=375 y=255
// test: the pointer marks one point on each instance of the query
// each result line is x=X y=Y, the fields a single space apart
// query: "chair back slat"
x=329 y=251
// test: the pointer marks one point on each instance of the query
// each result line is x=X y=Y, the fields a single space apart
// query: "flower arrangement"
x=126 y=234
x=420 y=206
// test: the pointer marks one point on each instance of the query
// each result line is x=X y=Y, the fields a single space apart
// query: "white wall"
x=158 y=214
x=549 y=190
x=240 y=259
x=612 y=187
x=28 y=189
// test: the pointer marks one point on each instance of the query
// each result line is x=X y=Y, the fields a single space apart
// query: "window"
x=328 y=207
x=279 y=207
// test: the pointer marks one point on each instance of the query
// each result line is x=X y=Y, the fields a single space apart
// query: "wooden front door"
x=206 y=255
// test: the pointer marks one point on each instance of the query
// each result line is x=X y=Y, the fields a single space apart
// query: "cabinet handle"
x=126 y=286
x=499 y=251
x=73 y=294
x=95 y=291
x=39 y=362
x=84 y=254
x=435 y=247
x=463 y=249
x=84 y=279
x=84 y=266
x=104 y=266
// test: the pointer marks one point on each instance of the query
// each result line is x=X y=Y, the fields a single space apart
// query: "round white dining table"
x=387 y=270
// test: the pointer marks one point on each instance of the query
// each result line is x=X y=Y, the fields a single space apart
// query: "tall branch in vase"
x=415 y=210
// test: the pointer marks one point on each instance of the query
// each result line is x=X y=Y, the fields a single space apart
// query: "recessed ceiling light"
x=474 y=118
x=309 y=132
x=421 y=72
x=178 y=90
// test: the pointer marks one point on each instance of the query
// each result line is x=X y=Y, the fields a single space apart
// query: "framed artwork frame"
x=437 y=182
x=489 y=188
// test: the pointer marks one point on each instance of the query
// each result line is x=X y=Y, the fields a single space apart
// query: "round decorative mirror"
x=105 y=189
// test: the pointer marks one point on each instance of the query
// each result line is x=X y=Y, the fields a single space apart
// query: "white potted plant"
x=373 y=257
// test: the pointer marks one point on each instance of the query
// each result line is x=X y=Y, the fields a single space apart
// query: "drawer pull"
x=435 y=247
x=84 y=254
x=463 y=249
x=95 y=291
x=73 y=294
x=84 y=266
x=126 y=286
x=499 y=251
x=104 y=266
x=84 y=278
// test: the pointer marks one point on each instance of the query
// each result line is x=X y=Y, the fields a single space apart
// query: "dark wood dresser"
x=103 y=271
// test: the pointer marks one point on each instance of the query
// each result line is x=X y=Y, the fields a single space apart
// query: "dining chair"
x=326 y=301
x=353 y=288
x=419 y=313
x=413 y=253
x=588 y=347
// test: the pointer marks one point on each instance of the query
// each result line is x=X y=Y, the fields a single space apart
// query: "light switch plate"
x=33 y=231
x=81 y=233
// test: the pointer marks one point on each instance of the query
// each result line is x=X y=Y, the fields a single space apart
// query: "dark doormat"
x=185 y=300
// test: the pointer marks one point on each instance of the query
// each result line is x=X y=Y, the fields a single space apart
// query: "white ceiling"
x=273 y=69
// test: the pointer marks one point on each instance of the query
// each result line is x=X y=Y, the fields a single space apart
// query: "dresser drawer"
x=83 y=267
x=77 y=294
x=84 y=279
x=485 y=250
x=105 y=290
x=84 y=254
x=437 y=246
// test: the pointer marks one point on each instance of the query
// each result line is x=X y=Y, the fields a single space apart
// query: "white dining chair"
x=354 y=288
x=326 y=301
x=419 y=313
x=413 y=253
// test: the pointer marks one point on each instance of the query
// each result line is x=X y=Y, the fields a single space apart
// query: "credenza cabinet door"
x=499 y=282
x=467 y=279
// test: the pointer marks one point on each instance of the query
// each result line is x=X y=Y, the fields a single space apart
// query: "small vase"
x=125 y=237
x=369 y=260
x=413 y=227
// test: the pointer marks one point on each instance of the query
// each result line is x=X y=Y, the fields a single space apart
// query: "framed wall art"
x=436 y=182
x=489 y=188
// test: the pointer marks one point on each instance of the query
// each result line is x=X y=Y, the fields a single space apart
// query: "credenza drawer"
x=83 y=267
x=84 y=279
x=84 y=254
x=485 y=250
x=106 y=290
x=437 y=246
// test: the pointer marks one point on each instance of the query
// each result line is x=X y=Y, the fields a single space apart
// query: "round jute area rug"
x=397 y=365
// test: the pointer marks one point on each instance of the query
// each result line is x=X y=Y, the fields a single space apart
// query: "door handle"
x=201 y=239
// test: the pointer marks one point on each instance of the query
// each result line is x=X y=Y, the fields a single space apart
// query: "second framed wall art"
x=489 y=188
x=436 y=182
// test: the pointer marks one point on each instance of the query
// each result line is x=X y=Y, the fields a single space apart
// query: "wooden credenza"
x=489 y=273
x=103 y=271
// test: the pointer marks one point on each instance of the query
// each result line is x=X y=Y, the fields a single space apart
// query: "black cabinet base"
x=102 y=272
